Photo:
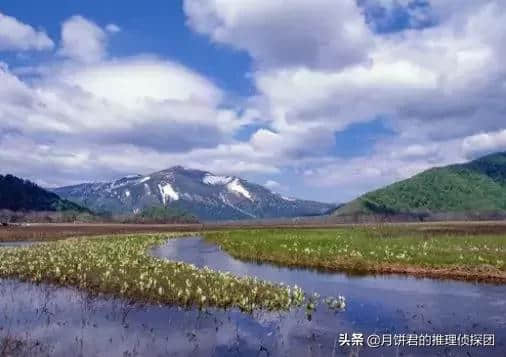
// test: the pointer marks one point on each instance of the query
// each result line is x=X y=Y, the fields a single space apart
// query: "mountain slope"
x=477 y=186
x=21 y=195
x=200 y=193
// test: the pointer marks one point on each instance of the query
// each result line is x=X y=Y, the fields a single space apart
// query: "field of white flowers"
x=120 y=266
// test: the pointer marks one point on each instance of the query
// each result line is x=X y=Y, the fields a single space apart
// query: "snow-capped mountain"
x=198 y=192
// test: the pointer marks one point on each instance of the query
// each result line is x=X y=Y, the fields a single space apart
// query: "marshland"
x=273 y=291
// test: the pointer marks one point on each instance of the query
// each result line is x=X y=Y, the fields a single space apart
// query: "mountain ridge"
x=198 y=192
x=475 y=186
x=17 y=195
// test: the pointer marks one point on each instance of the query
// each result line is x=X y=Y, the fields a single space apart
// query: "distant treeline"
x=365 y=218
x=157 y=215
x=414 y=217
x=148 y=216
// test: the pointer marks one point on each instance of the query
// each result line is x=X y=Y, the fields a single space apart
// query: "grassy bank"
x=120 y=266
x=374 y=250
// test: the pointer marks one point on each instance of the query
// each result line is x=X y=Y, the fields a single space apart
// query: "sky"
x=319 y=99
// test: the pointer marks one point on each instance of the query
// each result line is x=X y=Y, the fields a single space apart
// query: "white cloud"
x=142 y=101
x=436 y=86
x=413 y=75
x=82 y=40
x=416 y=151
x=323 y=34
x=347 y=179
x=107 y=117
x=317 y=68
x=99 y=120
x=134 y=82
x=17 y=36
x=277 y=187
x=113 y=28
x=484 y=143
x=292 y=143
x=273 y=185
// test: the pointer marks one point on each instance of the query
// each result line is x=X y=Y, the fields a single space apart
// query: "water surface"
x=45 y=320
x=375 y=304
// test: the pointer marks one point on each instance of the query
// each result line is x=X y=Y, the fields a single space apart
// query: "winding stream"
x=44 y=320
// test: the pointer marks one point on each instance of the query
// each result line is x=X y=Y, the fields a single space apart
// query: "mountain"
x=22 y=195
x=478 y=186
x=199 y=193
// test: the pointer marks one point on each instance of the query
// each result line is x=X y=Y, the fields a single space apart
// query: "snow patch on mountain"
x=216 y=180
x=168 y=193
x=127 y=193
x=227 y=202
x=236 y=187
x=116 y=185
x=144 y=179
x=290 y=199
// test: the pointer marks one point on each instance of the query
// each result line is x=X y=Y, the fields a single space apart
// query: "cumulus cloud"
x=322 y=34
x=439 y=79
x=61 y=133
x=347 y=179
x=17 y=36
x=273 y=185
x=318 y=67
x=417 y=77
x=113 y=28
x=92 y=105
x=416 y=151
x=136 y=81
x=82 y=40
x=293 y=143
x=92 y=117
x=413 y=76
x=484 y=143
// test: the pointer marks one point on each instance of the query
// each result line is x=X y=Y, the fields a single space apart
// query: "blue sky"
x=322 y=100
x=158 y=28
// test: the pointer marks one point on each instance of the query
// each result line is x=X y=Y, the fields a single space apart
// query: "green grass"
x=372 y=249
x=120 y=266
